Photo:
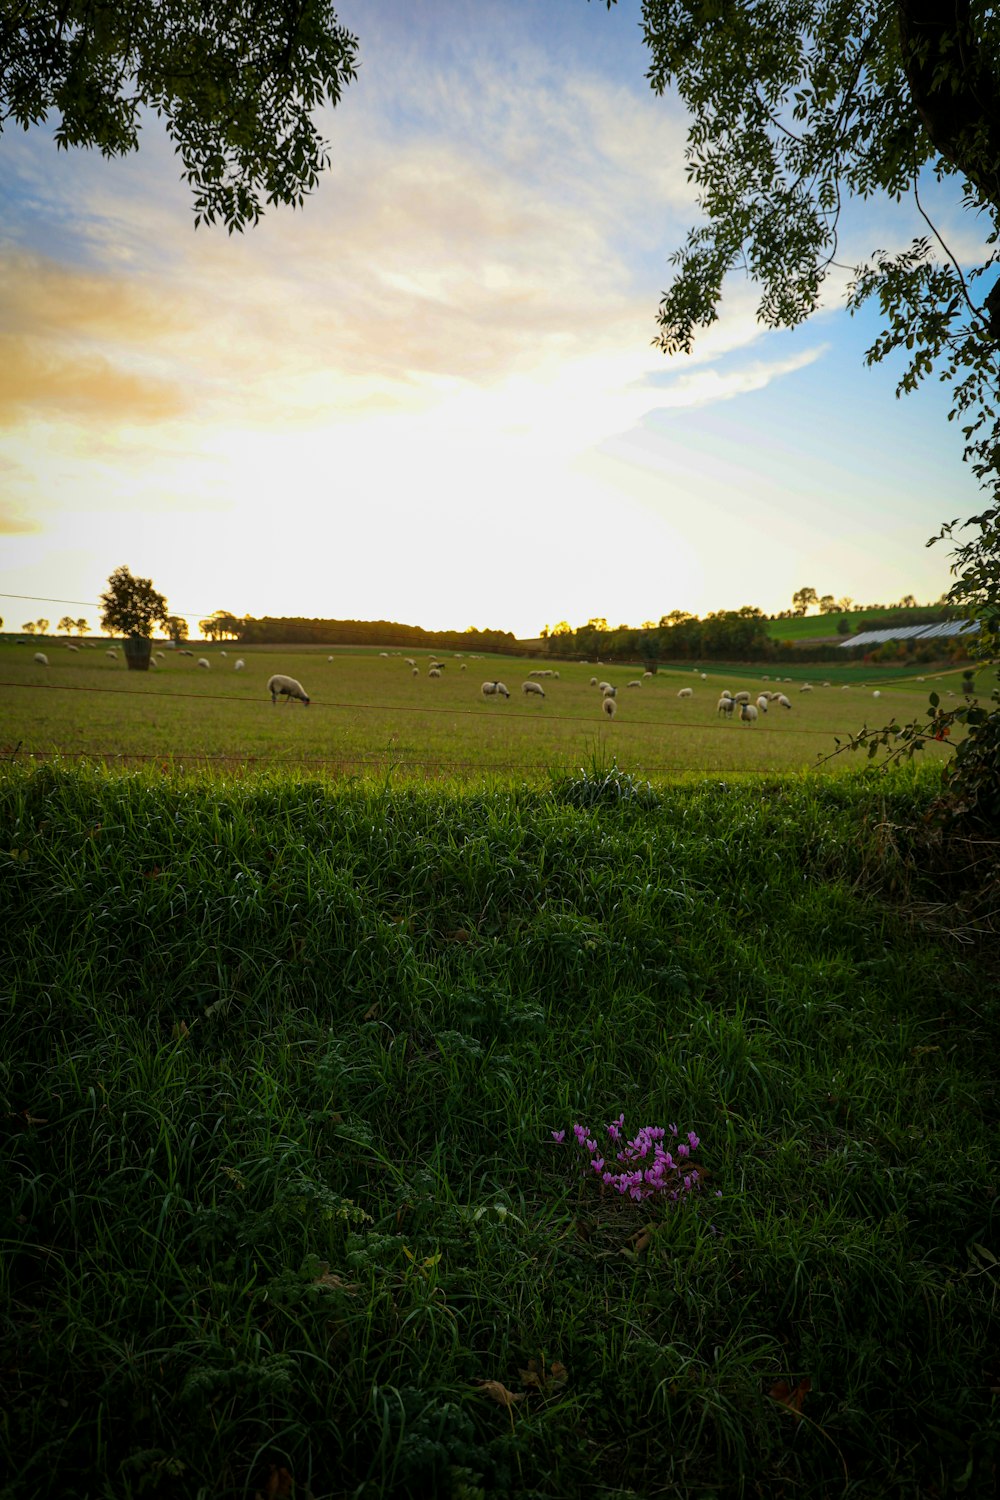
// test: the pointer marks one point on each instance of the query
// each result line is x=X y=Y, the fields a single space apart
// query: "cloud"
x=14 y=525
x=39 y=378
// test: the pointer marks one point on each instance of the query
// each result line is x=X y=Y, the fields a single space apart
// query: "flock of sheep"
x=282 y=686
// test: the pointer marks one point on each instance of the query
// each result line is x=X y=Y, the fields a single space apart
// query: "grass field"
x=369 y=713
x=280 y=1205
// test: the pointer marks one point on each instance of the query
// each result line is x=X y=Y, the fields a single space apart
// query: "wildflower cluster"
x=641 y=1167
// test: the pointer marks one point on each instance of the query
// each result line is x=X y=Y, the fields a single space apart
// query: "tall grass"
x=282 y=1208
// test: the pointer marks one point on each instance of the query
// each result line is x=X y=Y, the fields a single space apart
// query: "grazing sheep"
x=748 y=713
x=70 y=647
x=464 y=667
x=725 y=693
x=203 y=661
x=239 y=665
x=741 y=697
x=112 y=653
x=414 y=671
x=610 y=707
x=605 y=687
x=407 y=659
x=434 y=672
x=762 y=702
x=704 y=676
x=634 y=683
x=806 y=687
x=725 y=706
x=646 y=674
x=41 y=660
x=533 y=687
x=287 y=688
x=494 y=690
x=780 y=698
x=876 y=693
x=223 y=653
x=686 y=693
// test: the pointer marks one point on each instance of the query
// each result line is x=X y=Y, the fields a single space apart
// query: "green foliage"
x=603 y=785
x=237 y=84
x=278 y=1069
x=130 y=605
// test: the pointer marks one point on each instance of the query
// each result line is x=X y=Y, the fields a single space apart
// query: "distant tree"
x=845 y=605
x=82 y=626
x=828 y=605
x=648 y=625
x=220 y=626
x=65 y=626
x=598 y=623
x=130 y=605
x=237 y=84
x=802 y=599
x=675 y=617
x=843 y=626
x=177 y=628
x=563 y=628
x=908 y=602
x=28 y=627
x=43 y=626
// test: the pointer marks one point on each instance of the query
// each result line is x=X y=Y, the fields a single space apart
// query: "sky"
x=431 y=394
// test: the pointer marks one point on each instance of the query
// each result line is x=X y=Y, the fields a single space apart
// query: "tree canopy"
x=130 y=605
x=235 y=80
x=797 y=105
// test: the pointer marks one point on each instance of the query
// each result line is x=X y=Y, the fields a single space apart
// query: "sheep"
x=876 y=693
x=748 y=713
x=762 y=702
x=533 y=687
x=741 y=697
x=646 y=674
x=239 y=665
x=383 y=653
x=41 y=660
x=464 y=667
x=223 y=653
x=286 y=687
x=686 y=693
x=610 y=707
x=605 y=687
x=634 y=683
x=806 y=687
x=70 y=647
x=609 y=691
x=780 y=698
x=203 y=661
x=725 y=693
x=494 y=690
x=407 y=659
x=434 y=672
x=111 y=653
x=725 y=706
x=593 y=682
x=414 y=671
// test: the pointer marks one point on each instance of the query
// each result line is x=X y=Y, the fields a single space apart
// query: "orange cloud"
x=40 y=377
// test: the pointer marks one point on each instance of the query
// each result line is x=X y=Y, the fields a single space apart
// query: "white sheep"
x=605 y=687
x=223 y=653
x=111 y=653
x=780 y=698
x=203 y=661
x=414 y=671
x=464 y=667
x=239 y=665
x=287 y=688
x=741 y=697
x=876 y=693
x=610 y=707
x=763 y=701
x=494 y=690
x=725 y=693
x=725 y=706
x=70 y=647
x=634 y=683
x=593 y=682
x=41 y=660
x=434 y=672
x=407 y=659
x=533 y=687
x=686 y=693
x=806 y=687
x=647 y=674
x=748 y=713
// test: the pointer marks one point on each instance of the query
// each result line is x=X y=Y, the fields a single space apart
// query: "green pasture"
x=369 y=711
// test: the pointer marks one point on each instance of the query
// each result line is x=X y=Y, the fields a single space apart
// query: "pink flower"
x=558 y=1135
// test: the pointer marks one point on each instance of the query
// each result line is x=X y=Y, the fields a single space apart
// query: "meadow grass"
x=369 y=714
x=283 y=1212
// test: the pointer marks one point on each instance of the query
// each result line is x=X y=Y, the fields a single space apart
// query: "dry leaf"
x=180 y=1030
x=457 y=935
x=280 y=1484
x=783 y=1393
x=541 y=1379
x=499 y=1393
x=372 y=1012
